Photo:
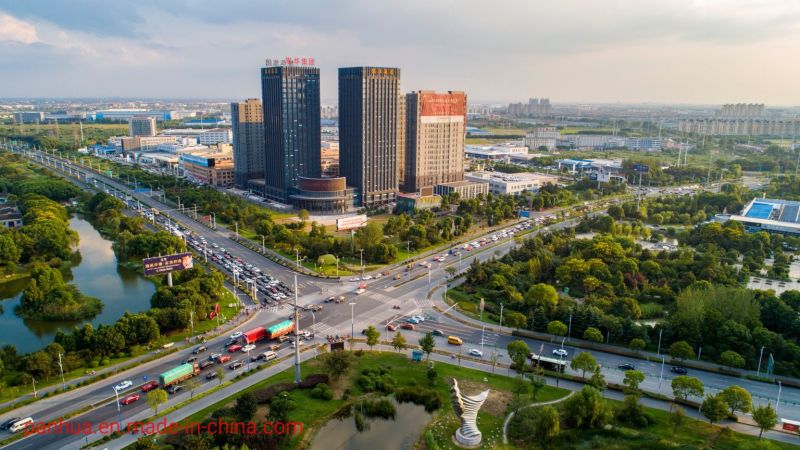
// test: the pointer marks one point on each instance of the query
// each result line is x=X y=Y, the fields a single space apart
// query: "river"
x=97 y=274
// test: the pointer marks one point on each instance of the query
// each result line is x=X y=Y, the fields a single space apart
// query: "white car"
x=248 y=348
x=360 y=291
x=419 y=318
x=560 y=352
x=236 y=335
x=124 y=385
x=475 y=352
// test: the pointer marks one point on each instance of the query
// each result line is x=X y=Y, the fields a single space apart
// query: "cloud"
x=15 y=30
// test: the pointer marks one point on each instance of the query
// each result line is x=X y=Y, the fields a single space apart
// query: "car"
x=330 y=299
x=391 y=327
x=475 y=352
x=413 y=320
x=679 y=370
x=206 y=364
x=626 y=366
x=360 y=291
x=123 y=385
x=235 y=365
x=419 y=318
x=437 y=333
x=191 y=359
x=368 y=277
x=7 y=424
x=214 y=356
x=211 y=375
x=149 y=386
x=174 y=389
x=560 y=352
x=407 y=326
x=231 y=342
x=248 y=348
x=223 y=359
x=364 y=332
x=129 y=399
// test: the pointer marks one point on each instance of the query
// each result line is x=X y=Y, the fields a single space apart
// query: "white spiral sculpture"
x=467 y=408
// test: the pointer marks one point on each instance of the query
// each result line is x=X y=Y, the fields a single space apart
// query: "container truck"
x=253 y=336
x=280 y=329
x=178 y=374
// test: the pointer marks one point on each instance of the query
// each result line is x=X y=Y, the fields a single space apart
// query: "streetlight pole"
x=296 y=336
x=33 y=380
x=659 y=341
x=263 y=245
x=661 y=376
x=501 y=315
x=352 y=320
x=61 y=367
x=483 y=330
x=237 y=230
x=778 y=403
x=760 y=355
x=119 y=412
x=569 y=330
x=361 y=250
x=297 y=258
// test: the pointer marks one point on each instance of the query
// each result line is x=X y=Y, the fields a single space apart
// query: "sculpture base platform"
x=467 y=441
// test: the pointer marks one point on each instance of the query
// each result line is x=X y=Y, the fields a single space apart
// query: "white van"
x=269 y=356
x=21 y=424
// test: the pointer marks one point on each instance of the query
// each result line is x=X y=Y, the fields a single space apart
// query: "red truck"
x=254 y=335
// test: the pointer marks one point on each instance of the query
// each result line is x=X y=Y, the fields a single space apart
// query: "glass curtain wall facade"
x=291 y=104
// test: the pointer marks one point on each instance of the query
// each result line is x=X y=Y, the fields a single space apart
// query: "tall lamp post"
x=760 y=355
x=352 y=320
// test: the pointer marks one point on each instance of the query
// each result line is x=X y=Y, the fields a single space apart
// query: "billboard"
x=169 y=263
x=440 y=104
x=644 y=168
x=348 y=223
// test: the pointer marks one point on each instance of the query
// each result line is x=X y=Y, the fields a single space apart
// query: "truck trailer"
x=280 y=329
x=178 y=374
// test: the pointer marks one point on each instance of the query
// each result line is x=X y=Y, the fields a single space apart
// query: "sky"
x=627 y=51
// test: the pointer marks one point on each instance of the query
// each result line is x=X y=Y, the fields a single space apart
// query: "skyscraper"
x=247 y=120
x=141 y=126
x=368 y=132
x=435 y=132
x=290 y=97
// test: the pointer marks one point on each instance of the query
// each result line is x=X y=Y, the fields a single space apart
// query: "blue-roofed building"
x=772 y=215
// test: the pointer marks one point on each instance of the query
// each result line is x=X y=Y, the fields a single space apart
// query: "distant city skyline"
x=693 y=52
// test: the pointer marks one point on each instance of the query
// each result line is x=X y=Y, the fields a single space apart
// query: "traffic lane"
x=108 y=412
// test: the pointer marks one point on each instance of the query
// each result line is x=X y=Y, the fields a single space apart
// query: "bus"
x=547 y=363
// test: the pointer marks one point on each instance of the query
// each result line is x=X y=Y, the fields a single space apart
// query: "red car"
x=223 y=359
x=234 y=348
x=391 y=327
x=129 y=399
x=407 y=326
x=149 y=386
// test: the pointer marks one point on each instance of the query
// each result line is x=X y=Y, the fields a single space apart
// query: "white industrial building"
x=508 y=183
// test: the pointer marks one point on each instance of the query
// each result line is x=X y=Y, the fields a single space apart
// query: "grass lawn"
x=315 y=413
x=692 y=434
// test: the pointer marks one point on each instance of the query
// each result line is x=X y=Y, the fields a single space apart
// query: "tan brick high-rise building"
x=247 y=120
x=435 y=131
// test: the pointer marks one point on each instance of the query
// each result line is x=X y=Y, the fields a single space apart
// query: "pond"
x=97 y=274
x=401 y=433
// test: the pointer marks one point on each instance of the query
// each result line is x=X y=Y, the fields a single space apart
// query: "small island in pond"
x=49 y=297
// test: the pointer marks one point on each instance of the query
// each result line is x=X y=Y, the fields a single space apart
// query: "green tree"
x=245 y=407
x=637 y=344
x=542 y=294
x=714 y=408
x=633 y=378
x=548 y=423
x=593 y=334
x=538 y=381
x=518 y=351
x=431 y=374
x=766 y=417
x=282 y=404
x=557 y=327
x=399 y=341
x=683 y=386
x=587 y=409
x=9 y=252
x=372 y=336
x=737 y=398
x=584 y=362
x=427 y=343
x=192 y=384
x=155 y=398
x=220 y=372
x=681 y=350
x=731 y=359
x=598 y=381
x=336 y=363
x=303 y=215
x=677 y=419
x=515 y=319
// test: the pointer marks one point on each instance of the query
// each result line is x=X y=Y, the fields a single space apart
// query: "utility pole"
x=61 y=367
x=501 y=315
x=296 y=336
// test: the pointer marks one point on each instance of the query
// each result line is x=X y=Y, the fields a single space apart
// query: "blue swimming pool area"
x=760 y=211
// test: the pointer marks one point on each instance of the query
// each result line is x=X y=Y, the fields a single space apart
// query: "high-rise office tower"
x=247 y=120
x=368 y=132
x=142 y=126
x=401 y=140
x=290 y=97
x=435 y=131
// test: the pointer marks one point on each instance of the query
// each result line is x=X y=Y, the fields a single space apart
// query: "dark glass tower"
x=368 y=132
x=248 y=141
x=290 y=97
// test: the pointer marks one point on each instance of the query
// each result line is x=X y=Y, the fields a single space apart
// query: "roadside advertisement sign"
x=169 y=263
x=348 y=223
